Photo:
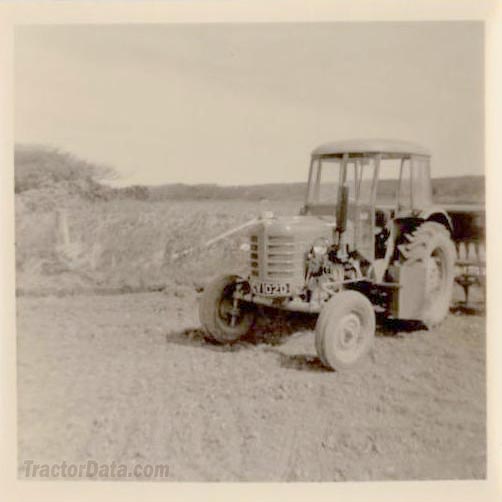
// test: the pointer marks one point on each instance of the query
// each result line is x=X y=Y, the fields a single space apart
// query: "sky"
x=247 y=103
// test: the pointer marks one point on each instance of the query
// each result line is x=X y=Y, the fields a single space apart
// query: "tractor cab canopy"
x=385 y=147
x=378 y=172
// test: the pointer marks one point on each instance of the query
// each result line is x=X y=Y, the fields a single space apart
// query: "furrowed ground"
x=129 y=378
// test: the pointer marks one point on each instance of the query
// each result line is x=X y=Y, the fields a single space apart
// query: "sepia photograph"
x=250 y=252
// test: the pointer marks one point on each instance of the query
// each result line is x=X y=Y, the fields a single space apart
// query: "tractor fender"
x=437 y=214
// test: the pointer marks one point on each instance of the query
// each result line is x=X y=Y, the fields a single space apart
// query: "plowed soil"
x=129 y=378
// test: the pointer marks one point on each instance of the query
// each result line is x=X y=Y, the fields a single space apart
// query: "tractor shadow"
x=300 y=362
x=275 y=327
x=271 y=329
x=396 y=328
x=307 y=362
x=468 y=309
x=195 y=337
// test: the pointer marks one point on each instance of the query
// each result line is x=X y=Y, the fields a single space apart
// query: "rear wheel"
x=345 y=330
x=224 y=318
x=431 y=245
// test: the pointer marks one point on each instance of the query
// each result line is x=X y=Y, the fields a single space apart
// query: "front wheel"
x=224 y=318
x=345 y=330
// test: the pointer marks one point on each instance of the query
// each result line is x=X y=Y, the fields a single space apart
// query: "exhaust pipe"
x=341 y=221
x=341 y=209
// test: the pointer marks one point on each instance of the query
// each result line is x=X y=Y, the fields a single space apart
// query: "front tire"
x=224 y=319
x=345 y=330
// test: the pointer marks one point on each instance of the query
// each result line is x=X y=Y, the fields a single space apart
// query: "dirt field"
x=128 y=378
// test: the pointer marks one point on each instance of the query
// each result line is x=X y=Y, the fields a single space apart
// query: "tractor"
x=367 y=241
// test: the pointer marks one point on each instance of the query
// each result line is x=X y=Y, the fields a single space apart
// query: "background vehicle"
x=369 y=238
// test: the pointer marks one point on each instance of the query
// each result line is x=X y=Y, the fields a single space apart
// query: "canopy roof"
x=390 y=146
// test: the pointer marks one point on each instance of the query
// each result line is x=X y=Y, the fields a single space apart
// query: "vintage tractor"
x=368 y=239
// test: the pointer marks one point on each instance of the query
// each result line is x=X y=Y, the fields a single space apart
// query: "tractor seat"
x=382 y=217
x=382 y=231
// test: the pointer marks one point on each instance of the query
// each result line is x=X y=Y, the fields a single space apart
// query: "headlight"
x=245 y=246
x=320 y=247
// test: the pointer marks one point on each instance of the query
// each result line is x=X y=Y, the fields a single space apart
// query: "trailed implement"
x=468 y=222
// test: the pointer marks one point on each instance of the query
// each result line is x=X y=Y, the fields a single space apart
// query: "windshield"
x=327 y=175
x=403 y=181
x=326 y=178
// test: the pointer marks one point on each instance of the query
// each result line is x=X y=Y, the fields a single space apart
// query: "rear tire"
x=431 y=244
x=345 y=330
x=221 y=321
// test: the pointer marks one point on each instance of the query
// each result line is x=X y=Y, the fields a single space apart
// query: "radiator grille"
x=273 y=257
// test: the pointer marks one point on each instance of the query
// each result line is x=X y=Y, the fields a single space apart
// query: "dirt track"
x=128 y=378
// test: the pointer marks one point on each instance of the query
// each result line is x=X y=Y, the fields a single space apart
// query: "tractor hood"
x=303 y=229
x=279 y=246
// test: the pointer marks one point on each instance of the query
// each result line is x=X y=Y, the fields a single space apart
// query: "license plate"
x=271 y=289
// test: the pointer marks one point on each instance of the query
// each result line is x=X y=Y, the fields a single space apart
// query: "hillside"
x=459 y=189
x=52 y=175
x=46 y=178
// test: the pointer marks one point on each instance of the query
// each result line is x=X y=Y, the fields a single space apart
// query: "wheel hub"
x=350 y=330
x=230 y=312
